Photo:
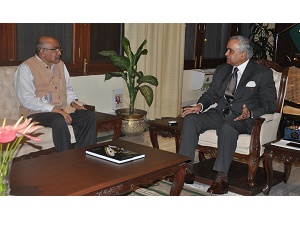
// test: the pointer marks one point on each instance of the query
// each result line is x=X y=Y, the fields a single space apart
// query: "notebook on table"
x=114 y=154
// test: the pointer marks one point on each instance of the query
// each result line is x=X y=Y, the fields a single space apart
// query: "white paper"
x=282 y=143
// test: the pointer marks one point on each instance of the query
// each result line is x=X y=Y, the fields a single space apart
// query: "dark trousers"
x=227 y=133
x=83 y=123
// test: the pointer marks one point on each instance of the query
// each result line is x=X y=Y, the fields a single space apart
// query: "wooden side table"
x=161 y=127
x=106 y=122
x=288 y=156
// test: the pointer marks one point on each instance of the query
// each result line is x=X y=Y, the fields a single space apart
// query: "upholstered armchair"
x=9 y=109
x=291 y=107
x=249 y=146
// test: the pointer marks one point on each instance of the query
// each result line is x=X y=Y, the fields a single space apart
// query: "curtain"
x=165 y=60
x=28 y=33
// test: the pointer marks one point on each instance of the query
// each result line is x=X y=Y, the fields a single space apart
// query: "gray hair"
x=42 y=42
x=245 y=45
x=39 y=45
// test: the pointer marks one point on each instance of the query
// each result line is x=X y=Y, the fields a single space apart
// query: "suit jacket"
x=256 y=89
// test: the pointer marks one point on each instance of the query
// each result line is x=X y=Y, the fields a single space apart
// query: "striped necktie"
x=229 y=92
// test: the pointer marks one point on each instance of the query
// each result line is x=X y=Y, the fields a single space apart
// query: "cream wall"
x=95 y=91
x=189 y=96
x=194 y=83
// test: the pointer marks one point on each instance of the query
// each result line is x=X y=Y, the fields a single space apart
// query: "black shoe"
x=219 y=187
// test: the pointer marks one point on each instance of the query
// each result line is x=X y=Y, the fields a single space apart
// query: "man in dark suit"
x=252 y=95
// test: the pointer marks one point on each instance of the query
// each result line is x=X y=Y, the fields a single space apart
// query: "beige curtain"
x=165 y=60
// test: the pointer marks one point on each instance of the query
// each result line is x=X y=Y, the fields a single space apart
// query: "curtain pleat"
x=165 y=60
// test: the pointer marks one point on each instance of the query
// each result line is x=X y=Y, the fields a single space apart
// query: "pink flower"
x=7 y=135
x=14 y=134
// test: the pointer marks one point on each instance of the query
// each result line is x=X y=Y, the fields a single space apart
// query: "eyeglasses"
x=55 y=49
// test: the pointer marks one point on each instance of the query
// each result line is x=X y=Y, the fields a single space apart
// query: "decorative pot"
x=5 y=168
x=132 y=125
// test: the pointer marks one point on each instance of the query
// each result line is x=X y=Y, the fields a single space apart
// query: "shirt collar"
x=47 y=66
x=242 y=67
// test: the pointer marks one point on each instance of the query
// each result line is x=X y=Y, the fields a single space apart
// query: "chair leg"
x=253 y=164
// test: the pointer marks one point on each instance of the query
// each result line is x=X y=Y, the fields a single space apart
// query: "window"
x=103 y=37
x=205 y=44
x=80 y=42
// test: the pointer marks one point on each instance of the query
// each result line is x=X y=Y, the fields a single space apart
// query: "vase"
x=132 y=125
x=5 y=168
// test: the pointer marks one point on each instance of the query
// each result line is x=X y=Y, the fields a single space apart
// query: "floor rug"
x=162 y=188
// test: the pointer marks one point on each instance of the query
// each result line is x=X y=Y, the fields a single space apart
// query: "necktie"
x=229 y=92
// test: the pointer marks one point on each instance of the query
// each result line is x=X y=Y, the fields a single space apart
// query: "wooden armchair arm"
x=86 y=106
x=291 y=103
x=255 y=137
x=89 y=107
x=264 y=130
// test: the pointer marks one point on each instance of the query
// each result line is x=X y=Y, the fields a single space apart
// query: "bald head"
x=48 y=50
x=43 y=42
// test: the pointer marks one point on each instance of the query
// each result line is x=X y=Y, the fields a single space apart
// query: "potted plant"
x=135 y=80
x=260 y=36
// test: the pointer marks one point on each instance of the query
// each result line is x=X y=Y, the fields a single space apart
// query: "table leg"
x=268 y=158
x=287 y=171
x=117 y=130
x=153 y=137
x=177 y=141
x=178 y=181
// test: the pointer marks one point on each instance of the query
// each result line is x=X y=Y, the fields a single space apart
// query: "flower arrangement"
x=10 y=137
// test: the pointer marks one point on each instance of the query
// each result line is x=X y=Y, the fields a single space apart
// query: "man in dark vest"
x=44 y=89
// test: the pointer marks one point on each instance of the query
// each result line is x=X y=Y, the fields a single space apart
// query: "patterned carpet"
x=162 y=188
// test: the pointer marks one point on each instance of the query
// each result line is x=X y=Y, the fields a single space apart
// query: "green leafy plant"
x=260 y=36
x=127 y=69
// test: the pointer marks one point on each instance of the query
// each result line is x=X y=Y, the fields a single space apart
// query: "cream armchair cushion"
x=268 y=133
x=9 y=109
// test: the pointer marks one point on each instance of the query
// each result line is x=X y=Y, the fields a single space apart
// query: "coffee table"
x=161 y=127
x=72 y=172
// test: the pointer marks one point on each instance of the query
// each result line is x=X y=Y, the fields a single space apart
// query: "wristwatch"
x=251 y=114
x=72 y=103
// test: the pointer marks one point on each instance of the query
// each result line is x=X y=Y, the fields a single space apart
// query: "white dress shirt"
x=240 y=71
x=239 y=74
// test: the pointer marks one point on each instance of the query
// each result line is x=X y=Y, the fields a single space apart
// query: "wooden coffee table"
x=72 y=172
x=161 y=127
